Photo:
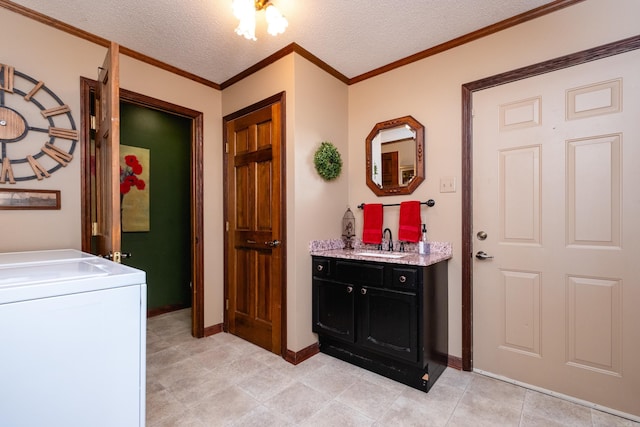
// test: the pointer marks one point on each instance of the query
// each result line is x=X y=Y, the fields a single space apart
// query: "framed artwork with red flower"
x=134 y=188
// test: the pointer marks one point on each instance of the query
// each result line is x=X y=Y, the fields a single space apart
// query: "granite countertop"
x=439 y=251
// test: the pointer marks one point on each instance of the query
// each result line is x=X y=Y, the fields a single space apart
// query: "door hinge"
x=226 y=304
x=227 y=226
x=226 y=147
x=94 y=228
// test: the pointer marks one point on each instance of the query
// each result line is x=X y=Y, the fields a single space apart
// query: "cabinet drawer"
x=321 y=267
x=404 y=278
x=360 y=273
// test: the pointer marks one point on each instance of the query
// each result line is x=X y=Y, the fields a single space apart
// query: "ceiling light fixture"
x=245 y=11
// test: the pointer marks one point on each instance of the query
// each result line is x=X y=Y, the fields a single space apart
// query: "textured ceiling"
x=352 y=36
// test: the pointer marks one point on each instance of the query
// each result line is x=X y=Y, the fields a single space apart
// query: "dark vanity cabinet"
x=389 y=318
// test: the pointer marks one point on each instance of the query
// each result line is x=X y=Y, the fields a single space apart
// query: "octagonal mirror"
x=395 y=156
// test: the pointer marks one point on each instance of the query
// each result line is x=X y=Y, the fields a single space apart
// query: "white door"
x=557 y=191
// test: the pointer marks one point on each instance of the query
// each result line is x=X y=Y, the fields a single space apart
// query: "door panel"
x=337 y=317
x=555 y=174
x=108 y=155
x=389 y=322
x=254 y=275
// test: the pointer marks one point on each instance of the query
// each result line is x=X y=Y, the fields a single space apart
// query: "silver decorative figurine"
x=348 y=228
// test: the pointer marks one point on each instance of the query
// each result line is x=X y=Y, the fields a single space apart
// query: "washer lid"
x=55 y=255
x=42 y=273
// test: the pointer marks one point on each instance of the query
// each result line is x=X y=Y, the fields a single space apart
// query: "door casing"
x=621 y=46
x=197 y=198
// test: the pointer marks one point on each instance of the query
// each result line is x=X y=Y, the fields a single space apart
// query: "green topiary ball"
x=328 y=161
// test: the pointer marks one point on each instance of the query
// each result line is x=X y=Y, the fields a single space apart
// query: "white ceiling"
x=352 y=36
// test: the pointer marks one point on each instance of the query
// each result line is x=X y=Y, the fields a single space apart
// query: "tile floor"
x=225 y=381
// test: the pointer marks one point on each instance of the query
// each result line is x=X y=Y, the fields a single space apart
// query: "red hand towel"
x=372 y=229
x=409 y=229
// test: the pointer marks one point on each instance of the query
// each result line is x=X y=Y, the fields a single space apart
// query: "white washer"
x=72 y=340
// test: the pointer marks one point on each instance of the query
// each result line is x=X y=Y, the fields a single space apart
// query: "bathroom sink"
x=392 y=255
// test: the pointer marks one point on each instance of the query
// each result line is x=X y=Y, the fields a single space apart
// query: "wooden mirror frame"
x=419 y=158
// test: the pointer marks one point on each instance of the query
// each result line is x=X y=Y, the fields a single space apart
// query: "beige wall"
x=316 y=111
x=60 y=60
x=321 y=115
x=27 y=46
x=430 y=90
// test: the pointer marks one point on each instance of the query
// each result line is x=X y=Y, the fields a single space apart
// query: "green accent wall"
x=164 y=251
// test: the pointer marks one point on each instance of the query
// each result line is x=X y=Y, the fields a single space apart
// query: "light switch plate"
x=448 y=184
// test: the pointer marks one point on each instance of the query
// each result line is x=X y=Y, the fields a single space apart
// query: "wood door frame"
x=277 y=98
x=600 y=52
x=197 y=197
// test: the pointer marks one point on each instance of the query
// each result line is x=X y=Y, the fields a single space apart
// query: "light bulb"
x=276 y=22
x=245 y=11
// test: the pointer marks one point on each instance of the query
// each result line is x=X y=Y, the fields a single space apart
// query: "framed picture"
x=134 y=188
x=29 y=199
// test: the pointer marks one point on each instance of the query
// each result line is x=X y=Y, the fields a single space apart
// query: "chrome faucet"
x=384 y=233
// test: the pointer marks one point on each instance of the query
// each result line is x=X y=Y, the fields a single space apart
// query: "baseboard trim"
x=455 y=362
x=212 y=330
x=295 y=357
x=166 y=309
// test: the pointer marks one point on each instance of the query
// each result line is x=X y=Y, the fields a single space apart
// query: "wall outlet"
x=448 y=184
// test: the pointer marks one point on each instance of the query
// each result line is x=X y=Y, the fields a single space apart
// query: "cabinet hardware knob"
x=363 y=291
x=319 y=267
x=402 y=279
x=349 y=289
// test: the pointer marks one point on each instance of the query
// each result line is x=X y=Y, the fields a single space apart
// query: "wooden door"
x=254 y=255
x=556 y=205
x=390 y=169
x=108 y=156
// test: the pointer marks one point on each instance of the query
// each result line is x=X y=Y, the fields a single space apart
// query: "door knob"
x=273 y=243
x=116 y=256
x=482 y=255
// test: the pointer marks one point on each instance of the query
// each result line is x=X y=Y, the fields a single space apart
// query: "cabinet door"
x=389 y=322
x=333 y=309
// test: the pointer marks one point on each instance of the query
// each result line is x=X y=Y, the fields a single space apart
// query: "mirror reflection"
x=393 y=155
x=395 y=162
